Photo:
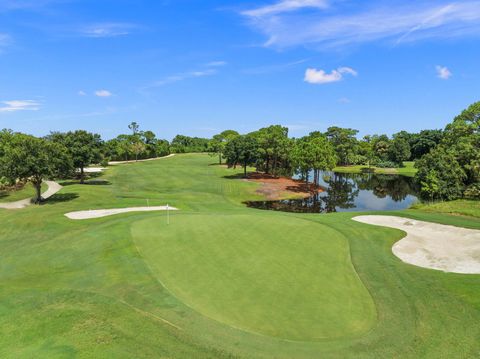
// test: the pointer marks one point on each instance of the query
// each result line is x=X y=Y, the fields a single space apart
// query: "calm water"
x=351 y=192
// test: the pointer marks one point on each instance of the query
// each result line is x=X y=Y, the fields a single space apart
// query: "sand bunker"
x=53 y=187
x=93 y=170
x=133 y=161
x=435 y=246
x=99 y=213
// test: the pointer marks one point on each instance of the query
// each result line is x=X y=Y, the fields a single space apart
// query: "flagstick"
x=168 y=215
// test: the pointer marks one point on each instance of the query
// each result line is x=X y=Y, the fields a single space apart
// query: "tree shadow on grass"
x=236 y=176
x=97 y=182
x=60 y=198
x=93 y=182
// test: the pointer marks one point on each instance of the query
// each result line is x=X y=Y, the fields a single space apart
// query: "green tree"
x=462 y=138
x=344 y=142
x=85 y=148
x=137 y=146
x=151 y=142
x=302 y=158
x=28 y=158
x=134 y=127
x=313 y=153
x=5 y=139
x=380 y=145
x=456 y=160
x=423 y=142
x=430 y=186
x=218 y=143
x=186 y=144
x=273 y=149
x=124 y=146
x=399 y=150
x=162 y=148
x=241 y=150
x=440 y=175
x=366 y=151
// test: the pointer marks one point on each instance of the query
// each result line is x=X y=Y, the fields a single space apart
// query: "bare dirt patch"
x=275 y=188
x=431 y=245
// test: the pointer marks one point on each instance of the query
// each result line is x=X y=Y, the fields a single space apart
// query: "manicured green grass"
x=459 y=207
x=408 y=169
x=264 y=274
x=131 y=286
x=26 y=192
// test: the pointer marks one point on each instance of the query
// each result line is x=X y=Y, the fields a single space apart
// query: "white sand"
x=133 y=161
x=435 y=246
x=92 y=170
x=98 y=213
x=53 y=187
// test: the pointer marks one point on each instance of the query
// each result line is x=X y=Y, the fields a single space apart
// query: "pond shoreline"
x=342 y=192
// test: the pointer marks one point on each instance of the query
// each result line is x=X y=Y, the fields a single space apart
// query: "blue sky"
x=201 y=66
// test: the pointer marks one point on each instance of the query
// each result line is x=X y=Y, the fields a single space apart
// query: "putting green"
x=260 y=272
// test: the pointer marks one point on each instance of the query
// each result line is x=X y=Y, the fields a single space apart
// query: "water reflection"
x=351 y=192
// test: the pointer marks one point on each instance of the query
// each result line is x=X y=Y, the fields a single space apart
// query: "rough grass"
x=460 y=207
x=84 y=289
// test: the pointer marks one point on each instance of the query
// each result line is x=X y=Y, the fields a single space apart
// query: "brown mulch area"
x=274 y=188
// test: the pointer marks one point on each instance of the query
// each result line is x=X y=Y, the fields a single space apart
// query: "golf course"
x=215 y=279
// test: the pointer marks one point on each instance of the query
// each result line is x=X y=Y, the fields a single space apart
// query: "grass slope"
x=460 y=207
x=408 y=170
x=94 y=288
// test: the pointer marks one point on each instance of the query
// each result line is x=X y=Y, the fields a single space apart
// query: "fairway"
x=221 y=280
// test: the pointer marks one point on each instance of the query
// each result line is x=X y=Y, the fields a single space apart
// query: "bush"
x=104 y=162
x=440 y=175
x=472 y=191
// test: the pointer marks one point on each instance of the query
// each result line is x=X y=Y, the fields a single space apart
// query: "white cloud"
x=81 y=93
x=181 y=77
x=107 y=30
x=19 y=105
x=318 y=77
x=10 y=5
x=273 y=68
x=443 y=72
x=216 y=64
x=344 y=100
x=285 y=6
x=5 y=40
x=397 y=23
x=103 y=93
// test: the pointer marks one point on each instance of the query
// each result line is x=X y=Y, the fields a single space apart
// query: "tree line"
x=448 y=160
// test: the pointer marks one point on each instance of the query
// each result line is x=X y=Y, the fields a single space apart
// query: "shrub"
x=472 y=191
x=104 y=162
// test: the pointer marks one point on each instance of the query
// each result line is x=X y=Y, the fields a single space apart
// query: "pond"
x=351 y=192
